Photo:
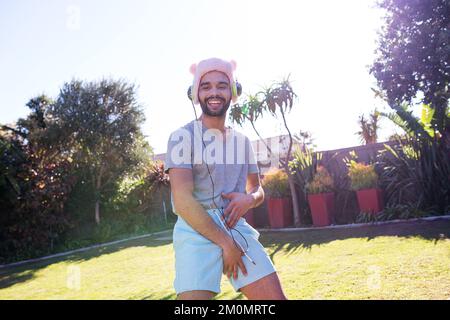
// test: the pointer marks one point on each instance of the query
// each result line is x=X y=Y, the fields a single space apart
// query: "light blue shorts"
x=199 y=262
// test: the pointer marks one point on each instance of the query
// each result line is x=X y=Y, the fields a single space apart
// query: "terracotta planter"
x=280 y=212
x=370 y=200
x=322 y=208
x=250 y=218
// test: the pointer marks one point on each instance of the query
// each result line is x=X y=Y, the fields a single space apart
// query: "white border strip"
x=356 y=225
x=15 y=264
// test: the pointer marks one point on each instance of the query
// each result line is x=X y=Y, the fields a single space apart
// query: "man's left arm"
x=240 y=203
x=254 y=189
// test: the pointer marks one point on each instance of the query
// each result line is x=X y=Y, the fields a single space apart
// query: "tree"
x=305 y=139
x=34 y=185
x=98 y=125
x=369 y=128
x=413 y=63
x=414 y=56
x=276 y=99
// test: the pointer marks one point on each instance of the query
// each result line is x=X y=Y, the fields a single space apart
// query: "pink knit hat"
x=213 y=64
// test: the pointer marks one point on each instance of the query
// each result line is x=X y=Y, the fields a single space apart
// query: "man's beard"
x=219 y=113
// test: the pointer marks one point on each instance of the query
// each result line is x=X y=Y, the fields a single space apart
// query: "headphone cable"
x=237 y=244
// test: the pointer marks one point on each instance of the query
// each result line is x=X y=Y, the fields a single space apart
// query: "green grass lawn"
x=410 y=260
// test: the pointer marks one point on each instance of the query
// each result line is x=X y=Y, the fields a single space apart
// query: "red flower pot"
x=322 y=208
x=250 y=217
x=370 y=200
x=280 y=212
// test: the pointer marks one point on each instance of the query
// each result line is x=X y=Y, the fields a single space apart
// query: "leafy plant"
x=321 y=183
x=143 y=193
x=413 y=126
x=156 y=176
x=402 y=212
x=417 y=171
x=303 y=167
x=366 y=217
x=32 y=197
x=275 y=184
x=394 y=212
x=362 y=176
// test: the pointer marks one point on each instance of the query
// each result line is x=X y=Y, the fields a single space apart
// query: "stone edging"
x=61 y=254
x=356 y=225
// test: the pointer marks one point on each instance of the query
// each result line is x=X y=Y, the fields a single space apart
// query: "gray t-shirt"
x=229 y=157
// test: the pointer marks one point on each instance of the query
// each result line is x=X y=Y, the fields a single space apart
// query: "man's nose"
x=214 y=92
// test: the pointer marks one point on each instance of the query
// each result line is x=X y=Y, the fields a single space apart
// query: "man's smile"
x=215 y=103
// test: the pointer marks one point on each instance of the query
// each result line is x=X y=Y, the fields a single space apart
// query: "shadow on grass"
x=14 y=278
x=287 y=242
x=173 y=296
x=292 y=242
x=170 y=296
x=13 y=275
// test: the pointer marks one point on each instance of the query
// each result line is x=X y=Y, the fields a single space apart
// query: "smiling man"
x=214 y=181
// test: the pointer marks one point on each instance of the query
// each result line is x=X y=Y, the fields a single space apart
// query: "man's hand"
x=232 y=260
x=239 y=204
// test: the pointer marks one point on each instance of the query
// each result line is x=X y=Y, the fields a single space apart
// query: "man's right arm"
x=182 y=186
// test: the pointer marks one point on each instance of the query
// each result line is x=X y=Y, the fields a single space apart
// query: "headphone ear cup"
x=189 y=93
x=238 y=88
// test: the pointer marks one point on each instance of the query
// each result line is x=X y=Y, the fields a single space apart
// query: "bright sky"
x=325 y=46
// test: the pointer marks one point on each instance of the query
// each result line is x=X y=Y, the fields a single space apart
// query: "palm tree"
x=278 y=98
x=369 y=128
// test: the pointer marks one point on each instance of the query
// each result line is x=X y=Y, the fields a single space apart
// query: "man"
x=210 y=194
